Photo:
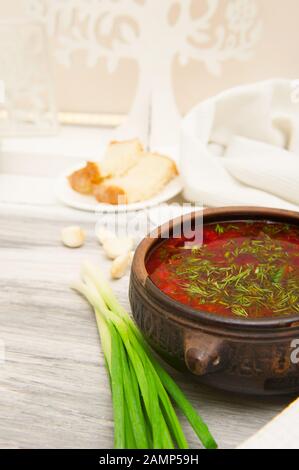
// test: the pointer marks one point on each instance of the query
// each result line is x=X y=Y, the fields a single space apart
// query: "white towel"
x=281 y=433
x=242 y=147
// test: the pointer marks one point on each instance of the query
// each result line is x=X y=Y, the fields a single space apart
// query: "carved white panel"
x=152 y=32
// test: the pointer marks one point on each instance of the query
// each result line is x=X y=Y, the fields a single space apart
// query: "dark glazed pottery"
x=235 y=354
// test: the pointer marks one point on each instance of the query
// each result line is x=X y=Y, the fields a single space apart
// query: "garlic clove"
x=120 y=264
x=115 y=247
x=72 y=236
x=103 y=234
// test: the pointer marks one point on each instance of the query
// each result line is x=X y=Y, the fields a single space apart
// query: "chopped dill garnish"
x=254 y=272
x=219 y=229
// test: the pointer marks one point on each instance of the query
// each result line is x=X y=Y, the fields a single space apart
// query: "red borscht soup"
x=242 y=269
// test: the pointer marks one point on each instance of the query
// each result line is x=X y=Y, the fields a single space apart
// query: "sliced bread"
x=118 y=159
x=142 y=181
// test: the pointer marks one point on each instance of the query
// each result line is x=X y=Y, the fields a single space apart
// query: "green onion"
x=117 y=374
x=142 y=391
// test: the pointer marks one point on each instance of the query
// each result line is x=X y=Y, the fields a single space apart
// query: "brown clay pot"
x=235 y=354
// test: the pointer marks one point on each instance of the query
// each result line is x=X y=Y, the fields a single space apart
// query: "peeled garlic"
x=103 y=234
x=72 y=236
x=115 y=247
x=120 y=265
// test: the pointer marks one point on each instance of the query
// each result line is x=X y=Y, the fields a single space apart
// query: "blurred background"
x=83 y=72
x=94 y=89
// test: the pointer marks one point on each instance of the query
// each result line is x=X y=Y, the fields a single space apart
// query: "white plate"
x=88 y=203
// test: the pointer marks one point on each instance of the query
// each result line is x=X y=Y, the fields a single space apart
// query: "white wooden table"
x=53 y=385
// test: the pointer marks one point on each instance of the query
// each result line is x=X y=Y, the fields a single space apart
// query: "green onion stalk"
x=143 y=393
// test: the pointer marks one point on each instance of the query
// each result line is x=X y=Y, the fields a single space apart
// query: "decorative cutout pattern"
x=152 y=32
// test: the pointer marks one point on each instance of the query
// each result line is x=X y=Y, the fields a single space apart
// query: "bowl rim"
x=219 y=214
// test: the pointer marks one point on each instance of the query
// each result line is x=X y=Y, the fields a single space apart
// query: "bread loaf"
x=141 y=182
x=118 y=159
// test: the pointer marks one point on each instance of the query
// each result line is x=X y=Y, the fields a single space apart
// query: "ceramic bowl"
x=237 y=354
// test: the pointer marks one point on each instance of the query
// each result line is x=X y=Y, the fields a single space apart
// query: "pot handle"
x=204 y=354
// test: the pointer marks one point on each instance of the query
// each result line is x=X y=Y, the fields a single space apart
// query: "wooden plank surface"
x=53 y=385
